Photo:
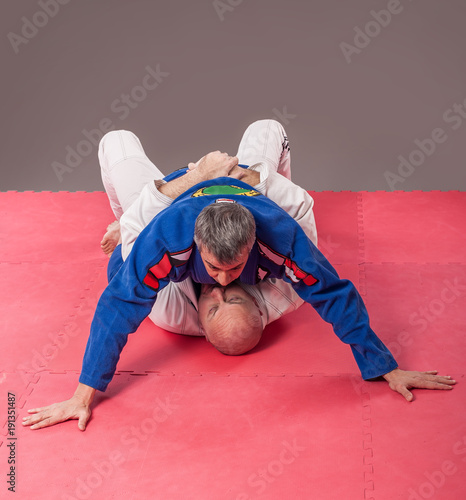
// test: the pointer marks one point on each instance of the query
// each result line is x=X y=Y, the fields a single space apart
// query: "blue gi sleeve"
x=128 y=300
x=338 y=302
x=121 y=309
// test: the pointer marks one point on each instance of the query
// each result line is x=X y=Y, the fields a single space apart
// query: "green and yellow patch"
x=225 y=190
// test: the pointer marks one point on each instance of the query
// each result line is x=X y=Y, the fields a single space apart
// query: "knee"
x=113 y=136
x=113 y=141
x=267 y=124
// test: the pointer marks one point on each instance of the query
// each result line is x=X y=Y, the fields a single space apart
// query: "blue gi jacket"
x=165 y=251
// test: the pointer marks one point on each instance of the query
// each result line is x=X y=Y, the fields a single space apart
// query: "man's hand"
x=219 y=164
x=401 y=380
x=209 y=167
x=75 y=408
x=213 y=165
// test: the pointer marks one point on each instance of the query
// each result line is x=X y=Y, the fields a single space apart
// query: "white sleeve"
x=296 y=201
x=275 y=298
x=175 y=309
x=149 y=203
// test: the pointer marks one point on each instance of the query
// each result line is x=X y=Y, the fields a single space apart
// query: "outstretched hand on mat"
x=401 y=381
x=75 y=408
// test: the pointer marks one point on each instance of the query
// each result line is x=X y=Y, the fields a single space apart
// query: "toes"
x=111 y=238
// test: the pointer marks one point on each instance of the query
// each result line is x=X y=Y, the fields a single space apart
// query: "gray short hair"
x=224 y=230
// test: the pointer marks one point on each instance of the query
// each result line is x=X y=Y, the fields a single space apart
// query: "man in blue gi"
x=220 y=231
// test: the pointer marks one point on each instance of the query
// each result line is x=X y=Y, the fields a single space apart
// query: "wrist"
x=389 y=376
x=196 y=175
x=85 y=394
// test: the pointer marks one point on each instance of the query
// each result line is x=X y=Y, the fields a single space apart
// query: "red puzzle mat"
x=291 y=419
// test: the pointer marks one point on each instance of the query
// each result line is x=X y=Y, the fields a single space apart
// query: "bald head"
x=231 y=318
x=236 y=333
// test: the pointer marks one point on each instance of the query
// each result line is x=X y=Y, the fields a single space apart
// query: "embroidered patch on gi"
x=224 y=190
x=164 y=266
x=292 y=271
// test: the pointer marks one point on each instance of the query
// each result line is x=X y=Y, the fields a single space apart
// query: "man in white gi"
x=265 y=148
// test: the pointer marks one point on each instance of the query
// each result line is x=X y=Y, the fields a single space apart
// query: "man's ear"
x=202 y=330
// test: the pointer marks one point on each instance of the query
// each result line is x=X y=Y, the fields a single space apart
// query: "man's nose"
x=217 y=293
x=224 y=279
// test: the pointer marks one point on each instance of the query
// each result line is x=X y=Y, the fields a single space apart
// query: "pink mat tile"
x=419 y=310
x=418 y=448
x=338 y=219
x=177 y=437
x=38 y=302
x=414 y=227
x=52 y=227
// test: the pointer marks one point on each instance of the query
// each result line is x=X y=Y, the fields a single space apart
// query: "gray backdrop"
x=371 y=93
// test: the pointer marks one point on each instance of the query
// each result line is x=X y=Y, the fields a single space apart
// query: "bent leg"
x=266 y=141
x=125 y=169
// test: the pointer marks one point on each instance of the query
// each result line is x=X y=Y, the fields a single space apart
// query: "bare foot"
x=111 y=238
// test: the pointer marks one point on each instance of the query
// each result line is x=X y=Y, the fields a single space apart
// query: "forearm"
x=346 y=312
x=210 y=166
x=121 y=309
x=113 y=321
x=178 y=186
x=129 y=297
